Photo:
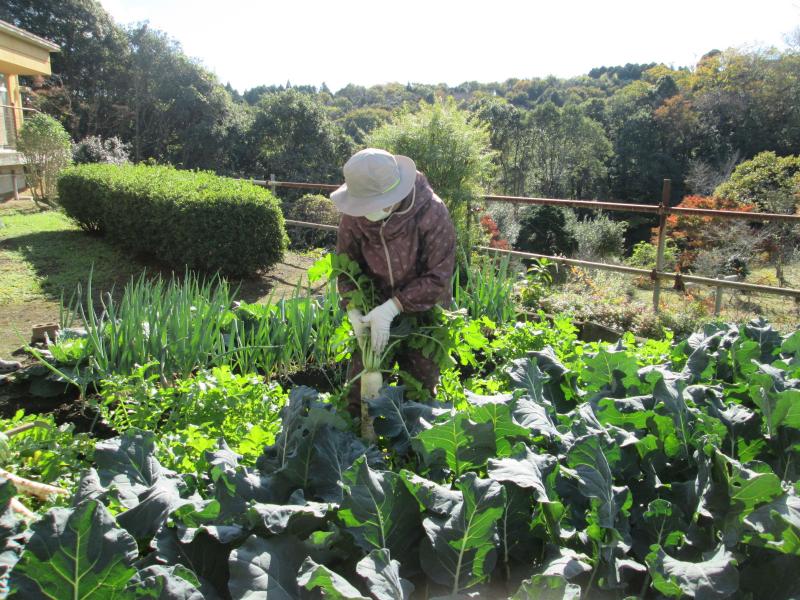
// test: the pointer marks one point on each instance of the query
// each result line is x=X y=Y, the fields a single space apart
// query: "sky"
x=252 y=42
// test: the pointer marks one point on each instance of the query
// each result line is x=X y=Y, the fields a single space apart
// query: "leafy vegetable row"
x=603 y=473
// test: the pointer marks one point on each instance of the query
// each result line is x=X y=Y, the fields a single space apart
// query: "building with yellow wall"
x=21 y=53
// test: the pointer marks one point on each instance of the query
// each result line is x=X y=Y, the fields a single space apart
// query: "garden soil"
x=17 y=320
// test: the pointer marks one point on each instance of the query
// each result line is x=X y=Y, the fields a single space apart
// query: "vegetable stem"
x=25 y=427
x=645 y=585
x=591 y=579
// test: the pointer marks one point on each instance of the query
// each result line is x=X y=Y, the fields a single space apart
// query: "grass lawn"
x=43 y=255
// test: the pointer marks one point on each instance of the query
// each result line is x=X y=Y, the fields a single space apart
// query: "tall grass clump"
x=486 y=288
x=302 y=332
x=179 y=326
x=452 y=151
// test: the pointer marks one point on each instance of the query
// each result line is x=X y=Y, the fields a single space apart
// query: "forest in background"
x=614 y=133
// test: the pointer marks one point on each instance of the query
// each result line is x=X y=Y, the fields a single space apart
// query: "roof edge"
x=27 y=36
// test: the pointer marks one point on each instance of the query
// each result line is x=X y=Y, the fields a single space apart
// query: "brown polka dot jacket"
x=410 y=255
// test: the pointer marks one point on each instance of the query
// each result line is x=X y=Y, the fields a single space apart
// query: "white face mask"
x=380 y=215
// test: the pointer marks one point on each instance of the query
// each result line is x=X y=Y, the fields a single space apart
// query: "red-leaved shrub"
x=495 y=237
x=693 y=233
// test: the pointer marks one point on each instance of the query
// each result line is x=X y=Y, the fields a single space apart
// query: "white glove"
x=380 y=320
x=356 y=322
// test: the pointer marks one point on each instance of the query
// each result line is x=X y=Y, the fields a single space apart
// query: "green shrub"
x=312 y=208
x=754 y=180
x=598 y=239
x=644 y=255
x=544 y=230
x=46 y=146
x=181 y=218
x=538 y=280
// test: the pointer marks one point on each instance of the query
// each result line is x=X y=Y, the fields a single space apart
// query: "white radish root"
x=371 y=383
x=18 y=507
x=33 y=488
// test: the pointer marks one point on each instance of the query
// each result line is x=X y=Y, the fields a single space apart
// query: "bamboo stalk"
x=311 y=225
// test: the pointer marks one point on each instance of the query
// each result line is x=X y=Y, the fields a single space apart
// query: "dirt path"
x=279 y=281
x=16 y=321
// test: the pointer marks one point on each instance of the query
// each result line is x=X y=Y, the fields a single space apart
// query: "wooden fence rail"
x=653 y=209
x=679 y=277
x=662 y=210
x=311 y=225
x=647 y=208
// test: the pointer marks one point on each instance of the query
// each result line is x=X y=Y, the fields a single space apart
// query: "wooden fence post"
x=718 y=295
x=662 y=240
x=273 y=185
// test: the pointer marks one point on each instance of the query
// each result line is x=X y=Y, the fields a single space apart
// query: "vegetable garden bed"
x=546 y=467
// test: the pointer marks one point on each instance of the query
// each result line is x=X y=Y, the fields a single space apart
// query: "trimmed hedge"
x=181 y=218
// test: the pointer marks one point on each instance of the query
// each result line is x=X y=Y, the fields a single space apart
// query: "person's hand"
x=356 y=318
x=379 y=321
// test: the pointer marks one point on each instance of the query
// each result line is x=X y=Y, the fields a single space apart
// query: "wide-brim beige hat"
x=374 y=180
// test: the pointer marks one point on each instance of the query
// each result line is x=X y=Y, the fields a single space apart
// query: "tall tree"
x=135 y=84
x=642 y=155
x=293 y=137
x=179 y=112
x=510 y=136
x=568 y=153
x=358 y=123
x=87 y=91
x=752 y=98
